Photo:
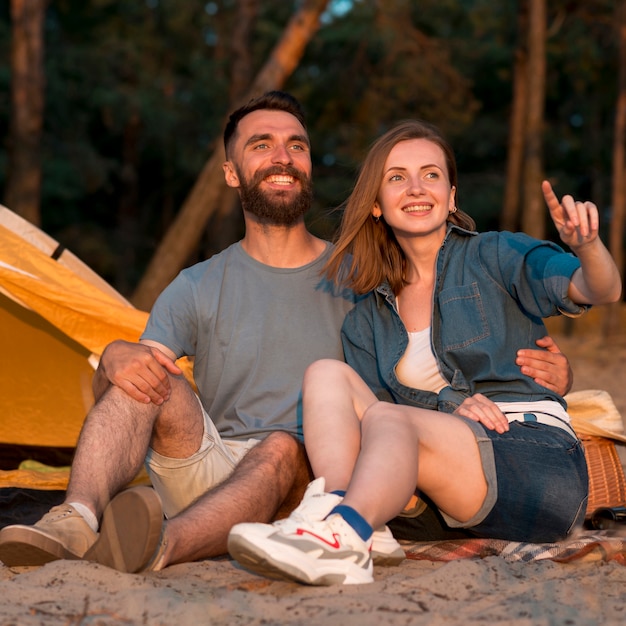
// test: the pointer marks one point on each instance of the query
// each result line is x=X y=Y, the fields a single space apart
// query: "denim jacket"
x=491 y=292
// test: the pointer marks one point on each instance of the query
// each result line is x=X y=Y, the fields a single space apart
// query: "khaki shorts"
x=181 y=481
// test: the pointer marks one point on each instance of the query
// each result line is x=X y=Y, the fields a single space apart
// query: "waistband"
x=541 y=418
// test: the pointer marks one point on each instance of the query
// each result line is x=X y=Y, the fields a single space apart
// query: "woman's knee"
x=386 y=415
x=323 y=370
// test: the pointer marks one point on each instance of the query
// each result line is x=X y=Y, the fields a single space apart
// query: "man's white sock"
x=87 y=514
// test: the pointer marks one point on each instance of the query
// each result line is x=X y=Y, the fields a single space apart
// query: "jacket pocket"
x=464 y=316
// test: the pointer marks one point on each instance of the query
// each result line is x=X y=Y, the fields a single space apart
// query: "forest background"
x=112 y=111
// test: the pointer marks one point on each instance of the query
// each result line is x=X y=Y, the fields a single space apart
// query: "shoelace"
x=55 y=514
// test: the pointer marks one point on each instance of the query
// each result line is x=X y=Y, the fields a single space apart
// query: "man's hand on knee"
x=139 y=369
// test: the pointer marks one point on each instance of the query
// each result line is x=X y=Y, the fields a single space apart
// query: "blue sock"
x=355 y=519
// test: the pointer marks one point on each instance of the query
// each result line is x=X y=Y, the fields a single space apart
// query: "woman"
x=429 y=398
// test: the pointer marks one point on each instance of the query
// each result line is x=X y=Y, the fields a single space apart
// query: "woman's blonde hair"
x=376 y=254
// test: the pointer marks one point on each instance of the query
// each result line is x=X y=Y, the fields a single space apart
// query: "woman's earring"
x=376 y=218
x=454 y=210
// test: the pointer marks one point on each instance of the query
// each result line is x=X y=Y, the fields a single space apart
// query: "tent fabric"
x=28 y=476
x=34 y=475
x=76 y=306
x=45 y=380
x=56 y=317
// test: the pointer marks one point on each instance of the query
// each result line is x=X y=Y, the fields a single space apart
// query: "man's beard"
x=277 y=208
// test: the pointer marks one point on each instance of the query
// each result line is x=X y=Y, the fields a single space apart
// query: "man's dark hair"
x=271 y=100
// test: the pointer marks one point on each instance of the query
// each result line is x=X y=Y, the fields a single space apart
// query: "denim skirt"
x=537 y=489
x=537 y=483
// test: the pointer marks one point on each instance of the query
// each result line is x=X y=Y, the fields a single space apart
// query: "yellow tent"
x=56 y=317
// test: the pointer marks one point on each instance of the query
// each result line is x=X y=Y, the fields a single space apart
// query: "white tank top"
x=418 y=367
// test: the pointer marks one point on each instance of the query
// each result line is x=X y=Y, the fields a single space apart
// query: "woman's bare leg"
x=334 y=400
x=405 y=447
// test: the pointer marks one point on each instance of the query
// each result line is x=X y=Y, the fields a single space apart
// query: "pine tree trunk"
x=183 y=236
x=509 y=219
x=533 y=208
x=23 y=187
x=226 y=225
x=240 y=49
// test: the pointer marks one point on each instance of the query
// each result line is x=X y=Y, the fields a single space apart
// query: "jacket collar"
x=384 y=289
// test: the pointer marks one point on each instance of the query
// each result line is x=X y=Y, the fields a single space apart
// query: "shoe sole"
x=388 y=559
x=130 y=530
x=259 y=561
x=28 y=546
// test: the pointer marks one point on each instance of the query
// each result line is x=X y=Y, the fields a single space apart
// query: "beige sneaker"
x=131 y=538
x=157 y=561
x=62 y=533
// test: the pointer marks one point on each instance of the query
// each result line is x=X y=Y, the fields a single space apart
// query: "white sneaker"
x=317 y=504
x=323 y=552
x=385 y=549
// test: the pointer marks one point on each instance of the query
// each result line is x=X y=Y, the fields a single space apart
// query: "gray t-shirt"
x=252 y=330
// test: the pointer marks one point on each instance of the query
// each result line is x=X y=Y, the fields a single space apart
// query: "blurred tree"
x=23 y=187
x=225 y=225
x=509 y=218
x=136 y=94
x=616 y=237
x=533 y=214
x=241 y=49
x=581 y=97
x=128 y=119
x=185 y=232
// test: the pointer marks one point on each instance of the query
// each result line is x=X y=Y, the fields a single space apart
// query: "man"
x=252 y=317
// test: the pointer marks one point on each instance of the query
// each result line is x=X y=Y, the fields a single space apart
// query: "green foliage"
x=137 y=91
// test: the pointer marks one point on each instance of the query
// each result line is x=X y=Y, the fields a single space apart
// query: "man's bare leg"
x=267 y=483
x=116 y=436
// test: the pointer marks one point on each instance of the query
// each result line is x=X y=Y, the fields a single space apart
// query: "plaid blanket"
x=606 y=545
